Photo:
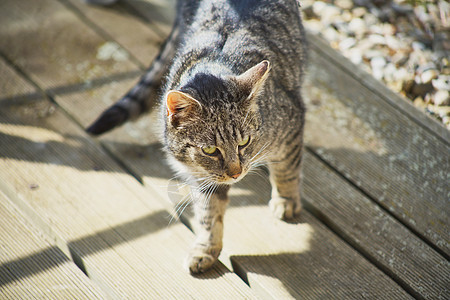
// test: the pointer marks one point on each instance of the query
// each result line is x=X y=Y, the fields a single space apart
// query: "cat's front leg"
x=209 y=207
x=285 y=180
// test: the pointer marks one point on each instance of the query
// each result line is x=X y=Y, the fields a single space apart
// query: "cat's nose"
x=235 y=176
x=234 y=170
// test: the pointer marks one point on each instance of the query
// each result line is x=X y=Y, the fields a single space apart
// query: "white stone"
x=442 y=97
x=344 y=4
x=378 y=62
x=418 y=46
x=318 y=7
x=442 y=82
x=330 y=14
x=377 y=39
x=315 y=26
x=357 y=26
x=347 y=43
x=401 y=74
x=358 y=12
x=389 y=71
x=369 y=54
x=331 y=34
x=370 y=19
x=378 y=73
x=393 y=42
x=429 y=75
x=355 y=56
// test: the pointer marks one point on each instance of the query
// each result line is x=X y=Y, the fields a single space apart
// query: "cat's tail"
x=139 y=99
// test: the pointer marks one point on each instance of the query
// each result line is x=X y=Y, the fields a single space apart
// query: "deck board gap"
x=379 y=205
x=39 y=91
x=121 y=163
x=55 y=242
x=22 y=99
x=153 y=26
x=322 y=218
x=92 y=84
x=66 y=89
x=100 y=31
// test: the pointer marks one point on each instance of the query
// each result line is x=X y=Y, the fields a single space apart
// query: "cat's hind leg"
x=285 y=180
x=209 y=207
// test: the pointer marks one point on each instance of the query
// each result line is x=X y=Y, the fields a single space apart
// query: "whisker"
x=262 y=175
x=180 y=208
x=210 y=191
x=260 y=151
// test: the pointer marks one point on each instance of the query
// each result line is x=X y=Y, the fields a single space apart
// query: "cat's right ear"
x=180 y=105
x=253 y=79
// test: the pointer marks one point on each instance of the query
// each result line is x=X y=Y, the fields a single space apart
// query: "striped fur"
x=231 y=101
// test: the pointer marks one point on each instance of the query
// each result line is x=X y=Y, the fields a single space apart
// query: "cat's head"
x=213 y=125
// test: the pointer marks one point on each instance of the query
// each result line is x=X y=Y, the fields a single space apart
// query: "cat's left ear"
x=254 y=78
x=179 y=106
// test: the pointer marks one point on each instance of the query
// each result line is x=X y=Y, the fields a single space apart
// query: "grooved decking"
x=93 y=218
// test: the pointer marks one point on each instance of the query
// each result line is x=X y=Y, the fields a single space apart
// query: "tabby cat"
x=229 y=76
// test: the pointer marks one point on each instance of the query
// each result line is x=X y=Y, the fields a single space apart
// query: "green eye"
x=211 y=150
x=244 y=142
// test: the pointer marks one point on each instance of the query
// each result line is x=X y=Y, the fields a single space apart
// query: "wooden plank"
x=419 y=269
x=278 y=259
x=52 y=45
x=319 y=45
x=11 y=84
x=32 y=268
x=303 y=256
x=160 y=13
x=121 y=24
x=392 y=157
x=117 y=230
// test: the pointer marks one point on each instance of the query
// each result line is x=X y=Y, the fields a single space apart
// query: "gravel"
x=405 y=44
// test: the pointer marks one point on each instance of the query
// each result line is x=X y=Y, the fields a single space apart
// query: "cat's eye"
x=211 y=150
x=244 y=142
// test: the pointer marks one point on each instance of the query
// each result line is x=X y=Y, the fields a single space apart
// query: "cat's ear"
x=179 y=105
x=253 y=79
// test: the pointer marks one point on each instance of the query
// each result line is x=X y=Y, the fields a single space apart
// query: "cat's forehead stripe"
x=227 y=134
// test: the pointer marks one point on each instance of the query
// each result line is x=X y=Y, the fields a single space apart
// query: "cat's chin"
x=229 y=181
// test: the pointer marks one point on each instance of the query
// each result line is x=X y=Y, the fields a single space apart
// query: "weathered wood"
x=12 y=85
x=302 y=259
x=303 y=256
x=159 y=13
x=120 y=23
x=388 y=244
x=380 y=148
x=120 y=234
x=53 y=46
x=317 y=44
x=32 y=268
x=278 y=259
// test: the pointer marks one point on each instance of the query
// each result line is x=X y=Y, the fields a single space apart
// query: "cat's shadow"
x=291 y=260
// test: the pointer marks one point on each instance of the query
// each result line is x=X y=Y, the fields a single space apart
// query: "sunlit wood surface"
x=88 y=218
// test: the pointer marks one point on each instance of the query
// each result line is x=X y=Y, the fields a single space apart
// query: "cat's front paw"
x=285 y=209
x=200 y=260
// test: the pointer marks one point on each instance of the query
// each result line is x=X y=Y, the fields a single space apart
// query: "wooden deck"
x=84 y=218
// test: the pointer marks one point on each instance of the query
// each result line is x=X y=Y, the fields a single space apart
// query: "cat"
x=229 y=76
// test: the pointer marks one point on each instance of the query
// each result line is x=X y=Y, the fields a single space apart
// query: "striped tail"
x=140 y=98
